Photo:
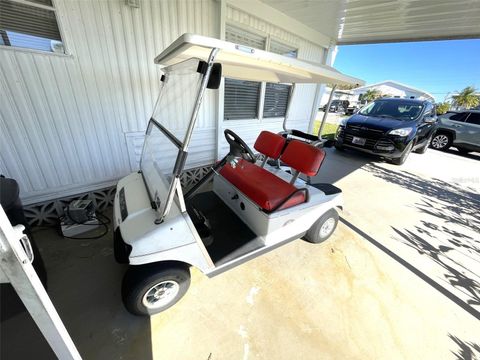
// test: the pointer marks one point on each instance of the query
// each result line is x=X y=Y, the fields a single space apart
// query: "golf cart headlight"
x=401 y=132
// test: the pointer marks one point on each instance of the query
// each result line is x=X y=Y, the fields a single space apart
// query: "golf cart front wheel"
x=323 y=227
x=153 y=288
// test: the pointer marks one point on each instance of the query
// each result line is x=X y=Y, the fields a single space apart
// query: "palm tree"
x=466 y=98
x=443 y=107
x=371 y=95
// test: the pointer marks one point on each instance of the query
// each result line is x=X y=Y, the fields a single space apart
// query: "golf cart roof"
x=245 y=63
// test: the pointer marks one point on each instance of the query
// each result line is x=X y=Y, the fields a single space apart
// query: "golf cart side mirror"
x=215 y=76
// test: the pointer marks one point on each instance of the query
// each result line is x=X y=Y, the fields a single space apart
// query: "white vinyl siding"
x=68 y=123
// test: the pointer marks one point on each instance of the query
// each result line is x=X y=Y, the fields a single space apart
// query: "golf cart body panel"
x=283 y=223
x=155 y=223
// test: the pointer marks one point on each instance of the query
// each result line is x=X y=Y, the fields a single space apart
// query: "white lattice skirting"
x=47 y=213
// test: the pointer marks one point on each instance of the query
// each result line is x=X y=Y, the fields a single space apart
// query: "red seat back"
x=303 y=157
x=270 y=144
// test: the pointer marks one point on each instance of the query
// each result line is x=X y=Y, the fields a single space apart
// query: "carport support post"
x=289 y=106
x=17 y=269
x=325 y=114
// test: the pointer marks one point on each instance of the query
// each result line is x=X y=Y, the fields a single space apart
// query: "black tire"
x=401 y=160
x=441 y=141
x=423 y=149
x=140 y=279
x=314 y=234
x=339 y=147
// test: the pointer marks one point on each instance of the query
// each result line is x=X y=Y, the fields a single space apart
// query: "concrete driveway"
x=399 y=279
x=372 y=291
x=426 y=212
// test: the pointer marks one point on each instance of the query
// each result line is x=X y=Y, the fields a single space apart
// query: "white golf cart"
x=252 y=207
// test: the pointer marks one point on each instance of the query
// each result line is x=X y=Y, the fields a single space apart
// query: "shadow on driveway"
x=446 y=237
x=467 y=350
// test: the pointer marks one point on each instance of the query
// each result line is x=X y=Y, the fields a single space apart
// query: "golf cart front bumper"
x=121 y=250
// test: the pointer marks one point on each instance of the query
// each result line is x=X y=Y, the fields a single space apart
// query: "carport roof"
x=374 y=21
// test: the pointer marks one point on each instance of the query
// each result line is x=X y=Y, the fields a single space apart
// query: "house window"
x=277 y=95
x=242 y=97
x=30 y=24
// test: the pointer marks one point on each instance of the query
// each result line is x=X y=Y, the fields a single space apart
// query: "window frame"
x=53 y=8
x=470 y=115
x=465 y=116
x=261 y=97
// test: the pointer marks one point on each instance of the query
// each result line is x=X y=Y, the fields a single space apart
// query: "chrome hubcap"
x=160 y=294
x=327 y=227
x=440 y=141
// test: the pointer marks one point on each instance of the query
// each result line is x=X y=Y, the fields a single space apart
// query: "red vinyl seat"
x=265 y=189
x=270 y=144
x=261 y=186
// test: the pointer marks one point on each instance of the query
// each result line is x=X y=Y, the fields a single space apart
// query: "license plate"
x=358 y=141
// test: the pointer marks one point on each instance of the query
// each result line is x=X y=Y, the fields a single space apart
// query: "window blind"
x=282 y=49
x=241 y=97
x=276 y=100
x=28 y=21
x=276 y=95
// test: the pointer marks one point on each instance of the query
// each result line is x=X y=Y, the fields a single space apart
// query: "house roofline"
x=398 y=83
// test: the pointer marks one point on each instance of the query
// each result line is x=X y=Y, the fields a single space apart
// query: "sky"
x=438 y=67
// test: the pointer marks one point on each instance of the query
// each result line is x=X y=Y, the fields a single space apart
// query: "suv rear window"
x=458 y=117
x=474 y=118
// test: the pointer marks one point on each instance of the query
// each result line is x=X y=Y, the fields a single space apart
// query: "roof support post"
x=289 y=106
x=325 y=114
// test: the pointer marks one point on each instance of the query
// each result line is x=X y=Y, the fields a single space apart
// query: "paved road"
x=426 y=212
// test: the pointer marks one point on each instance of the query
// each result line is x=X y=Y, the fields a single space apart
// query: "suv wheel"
x=403 y=158
x=423 y=148
x=441 y=141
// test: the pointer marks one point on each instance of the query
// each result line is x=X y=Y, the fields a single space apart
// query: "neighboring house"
x=393 y=89
x=389 y=87
x=78 y=84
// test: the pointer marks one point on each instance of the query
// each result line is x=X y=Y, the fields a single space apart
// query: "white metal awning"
x=245 y=63
x=374 y=21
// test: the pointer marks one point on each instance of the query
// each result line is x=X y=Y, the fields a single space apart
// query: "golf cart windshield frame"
x=175 y=185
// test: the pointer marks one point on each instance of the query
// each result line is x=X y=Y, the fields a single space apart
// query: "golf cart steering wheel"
x=238 y=147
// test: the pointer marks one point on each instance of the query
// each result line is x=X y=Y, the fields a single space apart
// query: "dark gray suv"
x=458 y=129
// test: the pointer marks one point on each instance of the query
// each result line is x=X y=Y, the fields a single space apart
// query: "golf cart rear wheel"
x=323 y=227
x=153 y=288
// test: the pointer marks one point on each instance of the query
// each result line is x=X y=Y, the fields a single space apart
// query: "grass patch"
x=328 y=132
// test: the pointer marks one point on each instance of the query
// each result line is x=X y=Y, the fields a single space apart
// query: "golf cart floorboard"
x=231 y=237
